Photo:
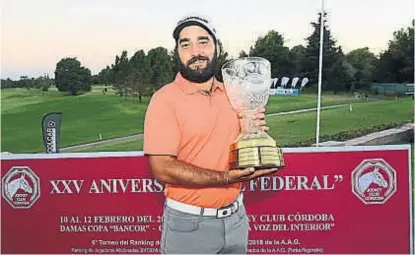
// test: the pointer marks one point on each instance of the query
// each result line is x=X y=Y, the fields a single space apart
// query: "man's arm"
x=168 y=169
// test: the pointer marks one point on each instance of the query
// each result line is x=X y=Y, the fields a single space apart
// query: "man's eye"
x=185 y=45
x=204 y=41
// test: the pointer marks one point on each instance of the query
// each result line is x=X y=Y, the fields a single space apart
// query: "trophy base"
x=259 y=151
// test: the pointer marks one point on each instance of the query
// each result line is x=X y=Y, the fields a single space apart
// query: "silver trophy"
x=247 y=82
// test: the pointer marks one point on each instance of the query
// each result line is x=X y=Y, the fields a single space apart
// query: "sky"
x=36 y=34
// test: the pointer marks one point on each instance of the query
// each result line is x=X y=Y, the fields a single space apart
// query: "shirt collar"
x=191 y=88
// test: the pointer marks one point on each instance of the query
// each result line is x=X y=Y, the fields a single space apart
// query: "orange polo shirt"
x=198 y=129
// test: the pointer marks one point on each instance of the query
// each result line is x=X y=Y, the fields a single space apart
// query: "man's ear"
x=176 y=52
x=217 y=48
x=176 y=55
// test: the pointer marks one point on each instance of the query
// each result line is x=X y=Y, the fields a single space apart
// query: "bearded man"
x=188 y=129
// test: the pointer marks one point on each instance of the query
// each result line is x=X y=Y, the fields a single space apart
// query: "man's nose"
x=195 y=50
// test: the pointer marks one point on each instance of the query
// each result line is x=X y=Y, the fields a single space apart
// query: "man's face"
x=196 y=50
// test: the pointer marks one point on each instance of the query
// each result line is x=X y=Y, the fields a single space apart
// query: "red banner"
x=326 y=200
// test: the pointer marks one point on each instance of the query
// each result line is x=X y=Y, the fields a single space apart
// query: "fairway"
x=306 y=100
x=86 y=117
x=294 y=128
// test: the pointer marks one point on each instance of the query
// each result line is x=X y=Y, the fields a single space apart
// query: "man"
x=189 y=127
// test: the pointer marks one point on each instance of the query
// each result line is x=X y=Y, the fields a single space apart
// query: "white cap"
x=197 y=20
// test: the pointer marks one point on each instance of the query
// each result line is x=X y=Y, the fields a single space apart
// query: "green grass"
x=306 y=100
x=133 y=145
x=84 y=118
x=87 y=116
x=15 y=100
x=289 y=129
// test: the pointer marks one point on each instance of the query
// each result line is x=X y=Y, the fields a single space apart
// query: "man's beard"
x=198 y=75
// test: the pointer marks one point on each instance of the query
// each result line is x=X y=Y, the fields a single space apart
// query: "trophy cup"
x=247 y=83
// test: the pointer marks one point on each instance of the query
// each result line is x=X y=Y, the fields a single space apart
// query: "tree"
x=8 y=83
x=331 y=53
x=161 y=66
x=340 y=76
x=25 y=82
x=402 y=50
x=141 y=73
x=296 y=56
x=364 y=62
x=396 y=64
x=121 y=70
x=271 y=47
x=242 y=54
x=105 y=76
x=70 y=76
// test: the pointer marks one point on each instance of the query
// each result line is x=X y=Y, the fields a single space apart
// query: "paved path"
x=137 y=136
x=103 y=142
x=308 y=110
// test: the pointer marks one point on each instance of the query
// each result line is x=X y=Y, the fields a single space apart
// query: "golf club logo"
x=374 y=181
x=20 y=187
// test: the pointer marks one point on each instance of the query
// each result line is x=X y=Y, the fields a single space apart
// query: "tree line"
x=142 y=74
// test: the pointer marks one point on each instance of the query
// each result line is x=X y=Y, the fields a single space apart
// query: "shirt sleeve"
x=161 y=129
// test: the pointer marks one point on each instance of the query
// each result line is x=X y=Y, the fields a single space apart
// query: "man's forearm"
x=182 y=173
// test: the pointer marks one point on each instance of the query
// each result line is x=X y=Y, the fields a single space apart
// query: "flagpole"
x=320 y=69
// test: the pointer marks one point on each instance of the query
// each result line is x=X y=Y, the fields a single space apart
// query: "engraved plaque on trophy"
x=247 y=82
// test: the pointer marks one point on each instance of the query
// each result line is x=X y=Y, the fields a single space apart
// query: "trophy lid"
x=255 y=71
x=248 y=66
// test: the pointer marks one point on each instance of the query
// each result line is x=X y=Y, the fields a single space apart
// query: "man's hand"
x=241 y=175
x=258 y=118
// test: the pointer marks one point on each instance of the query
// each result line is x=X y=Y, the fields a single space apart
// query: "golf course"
x=95 y=116
x=133 y=127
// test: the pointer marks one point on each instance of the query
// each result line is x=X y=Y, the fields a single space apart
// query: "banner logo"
x=20 y=187
x=51 y=124
x=374 y=181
